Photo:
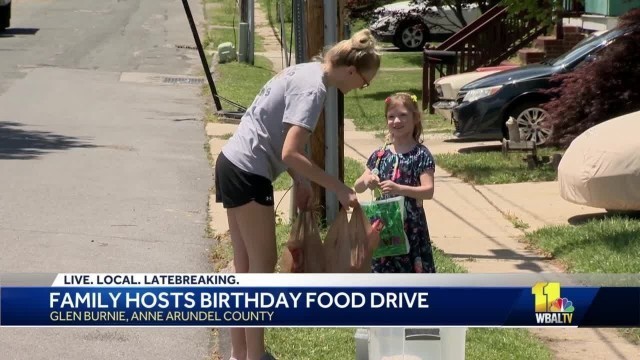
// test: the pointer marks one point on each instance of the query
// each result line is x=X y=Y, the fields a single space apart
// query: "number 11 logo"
x=545 y=294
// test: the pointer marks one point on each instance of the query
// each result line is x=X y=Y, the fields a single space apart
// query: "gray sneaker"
x=267 y=356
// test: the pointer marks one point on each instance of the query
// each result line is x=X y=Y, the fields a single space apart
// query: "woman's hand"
x=347 y=197
x=302 y=190
x=389 y=187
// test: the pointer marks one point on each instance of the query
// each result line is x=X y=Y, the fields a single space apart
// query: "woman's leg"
x=257 y=227
x=241 y=265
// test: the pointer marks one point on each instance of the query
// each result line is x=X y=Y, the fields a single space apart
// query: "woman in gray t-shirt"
x=271 y=139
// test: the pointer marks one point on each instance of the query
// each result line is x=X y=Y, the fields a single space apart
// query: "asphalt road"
x=102 y=166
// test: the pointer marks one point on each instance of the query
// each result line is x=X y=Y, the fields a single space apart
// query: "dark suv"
x=487 y=103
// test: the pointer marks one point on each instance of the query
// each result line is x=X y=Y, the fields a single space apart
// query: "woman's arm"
x=422 y=192
x=293 y=156
x=297 y=178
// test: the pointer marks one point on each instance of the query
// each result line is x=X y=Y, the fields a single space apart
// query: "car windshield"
x=584 y=48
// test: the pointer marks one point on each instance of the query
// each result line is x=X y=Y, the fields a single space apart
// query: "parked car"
x=601 y=167
x=447 y=87
x=486 y=104
x=5 y=14
x=411 y=26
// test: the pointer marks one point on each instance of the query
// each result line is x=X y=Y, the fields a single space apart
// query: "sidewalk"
x=272 y=48
x=543 y=209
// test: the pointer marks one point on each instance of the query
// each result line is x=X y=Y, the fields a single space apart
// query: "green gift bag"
x=391 y=212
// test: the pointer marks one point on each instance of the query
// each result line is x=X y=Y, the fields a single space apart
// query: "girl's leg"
x=257 y=227
x=241 y=264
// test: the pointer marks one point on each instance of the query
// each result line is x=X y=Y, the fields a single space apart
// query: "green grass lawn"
x=243 y=91
x=352 y=171
x=366 y=107
x=222 y=12
x=216 y=37
x=401 y=60
x=609 y=245
x=434 y=123
x=492 y=167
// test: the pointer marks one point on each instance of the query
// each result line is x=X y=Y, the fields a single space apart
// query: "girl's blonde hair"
x=359 y=51
x=409 y=101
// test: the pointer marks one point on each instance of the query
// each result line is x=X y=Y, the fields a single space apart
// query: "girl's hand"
x=372 y=182
x=303 y=191
x=389 y=187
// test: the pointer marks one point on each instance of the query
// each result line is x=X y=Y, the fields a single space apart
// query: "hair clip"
x=414 y=99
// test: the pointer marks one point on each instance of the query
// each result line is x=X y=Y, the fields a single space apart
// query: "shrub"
x=598 y=91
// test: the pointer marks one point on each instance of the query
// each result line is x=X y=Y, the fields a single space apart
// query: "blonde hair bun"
x=359 y=51
x=363 y=40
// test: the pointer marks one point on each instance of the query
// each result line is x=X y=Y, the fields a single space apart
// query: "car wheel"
x=530 y=117
x=411 y=36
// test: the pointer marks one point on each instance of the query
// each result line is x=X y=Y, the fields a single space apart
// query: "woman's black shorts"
x=236 y=187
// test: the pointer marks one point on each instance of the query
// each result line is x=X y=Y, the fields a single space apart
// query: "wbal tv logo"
x=550 y=307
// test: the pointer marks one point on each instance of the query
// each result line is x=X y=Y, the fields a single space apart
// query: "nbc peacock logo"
x=550 y=307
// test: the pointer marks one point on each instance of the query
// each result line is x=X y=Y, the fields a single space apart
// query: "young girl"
x=404 y=167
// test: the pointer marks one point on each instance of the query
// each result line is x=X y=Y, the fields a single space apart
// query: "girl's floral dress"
x=409 y=167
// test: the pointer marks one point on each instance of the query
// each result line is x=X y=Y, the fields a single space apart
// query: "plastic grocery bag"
x=391 y=213
x=304 y=251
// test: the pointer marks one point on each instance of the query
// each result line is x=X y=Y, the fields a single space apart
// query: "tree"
x=366 y=9
x=599 y=90
x=545 y=12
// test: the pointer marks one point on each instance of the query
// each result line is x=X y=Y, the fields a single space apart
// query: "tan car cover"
x=601 y=167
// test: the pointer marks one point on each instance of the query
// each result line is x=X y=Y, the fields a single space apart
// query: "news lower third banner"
x=327 y=300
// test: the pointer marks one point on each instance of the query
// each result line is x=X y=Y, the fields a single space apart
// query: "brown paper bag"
x=313 y=250
x=304 y=251
x=367 y=239
x=364 y=240
x=350 y=243
x=337 y=245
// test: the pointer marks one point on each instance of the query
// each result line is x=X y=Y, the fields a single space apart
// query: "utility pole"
x=342 y=12
x=252 y=28
x=324 y=24
x=244 y=10
x=243 y=32
x=331 y=113
x=315 y=43
x=299 y=32
x=246 y=31
x=326 y=142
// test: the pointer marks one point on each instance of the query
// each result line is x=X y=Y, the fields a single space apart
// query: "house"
x=603 y=14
